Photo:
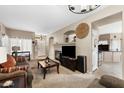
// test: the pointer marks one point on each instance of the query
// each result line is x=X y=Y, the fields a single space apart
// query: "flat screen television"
x=103 y=47
x=69 y=51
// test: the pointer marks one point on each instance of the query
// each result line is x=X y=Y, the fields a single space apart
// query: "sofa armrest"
x=5 y=76
x=111 y=82
x=29 y=79
x=95 y=84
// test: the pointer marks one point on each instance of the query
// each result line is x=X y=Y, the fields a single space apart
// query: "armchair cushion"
x=4 y=76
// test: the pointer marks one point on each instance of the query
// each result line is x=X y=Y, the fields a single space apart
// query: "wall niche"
x=70 y=36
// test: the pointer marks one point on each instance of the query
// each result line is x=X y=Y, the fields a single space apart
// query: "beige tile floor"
x=110 y=68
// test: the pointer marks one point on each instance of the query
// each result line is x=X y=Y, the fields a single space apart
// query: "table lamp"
x=3 y=55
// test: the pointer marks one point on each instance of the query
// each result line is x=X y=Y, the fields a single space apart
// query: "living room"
x=25 y=37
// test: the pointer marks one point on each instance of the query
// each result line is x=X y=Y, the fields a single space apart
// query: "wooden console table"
x=22 y=53
x=68 y=62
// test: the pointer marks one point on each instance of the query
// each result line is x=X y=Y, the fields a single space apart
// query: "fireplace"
x=57 y=54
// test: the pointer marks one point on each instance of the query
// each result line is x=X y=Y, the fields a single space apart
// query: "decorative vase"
x=66 y=39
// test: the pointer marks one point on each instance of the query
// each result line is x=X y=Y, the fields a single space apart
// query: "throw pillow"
x=10 y=62
x=12 y=69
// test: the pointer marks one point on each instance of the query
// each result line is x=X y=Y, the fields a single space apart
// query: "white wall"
x=83 y=46
x=94 y=49
x=0 y=40
x=115 y=27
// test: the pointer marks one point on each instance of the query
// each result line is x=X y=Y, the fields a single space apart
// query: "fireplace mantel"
x=63 y=44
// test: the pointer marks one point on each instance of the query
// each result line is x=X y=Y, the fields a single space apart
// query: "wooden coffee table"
x=47 y=64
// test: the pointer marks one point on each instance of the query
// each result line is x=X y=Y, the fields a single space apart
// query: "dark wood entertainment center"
x=67 y=58
x=73 y=64
x=69 y=63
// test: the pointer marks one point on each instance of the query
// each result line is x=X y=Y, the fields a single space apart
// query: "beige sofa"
x=107 y=81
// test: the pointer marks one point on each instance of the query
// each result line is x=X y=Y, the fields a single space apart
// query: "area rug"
x=66 y=78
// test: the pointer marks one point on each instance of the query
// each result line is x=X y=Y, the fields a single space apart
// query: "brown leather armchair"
x=16 y=77
x=21 y=78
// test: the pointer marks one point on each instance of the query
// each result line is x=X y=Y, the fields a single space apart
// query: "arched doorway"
x=51 y=48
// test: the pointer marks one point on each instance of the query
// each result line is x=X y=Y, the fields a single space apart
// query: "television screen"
x=69 y=51
x=103 y=47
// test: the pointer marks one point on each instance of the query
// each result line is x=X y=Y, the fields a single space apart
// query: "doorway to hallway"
x=106 y=45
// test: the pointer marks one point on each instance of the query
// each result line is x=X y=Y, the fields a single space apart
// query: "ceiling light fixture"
x=82 y=9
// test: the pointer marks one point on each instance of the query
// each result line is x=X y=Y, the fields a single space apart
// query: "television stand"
x=68 y=62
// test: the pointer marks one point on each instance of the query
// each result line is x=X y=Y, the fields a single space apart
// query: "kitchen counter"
x=110 y=56
x=110 y=51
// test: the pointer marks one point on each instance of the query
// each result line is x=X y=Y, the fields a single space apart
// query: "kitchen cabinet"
x=111 y=56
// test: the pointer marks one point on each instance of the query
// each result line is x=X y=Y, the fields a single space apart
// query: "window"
x=24 y=44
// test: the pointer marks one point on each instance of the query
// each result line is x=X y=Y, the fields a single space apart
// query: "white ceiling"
x=42 y=19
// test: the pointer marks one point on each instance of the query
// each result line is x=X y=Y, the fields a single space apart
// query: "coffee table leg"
x=58 y=69
x=38 y=65
x=44 y=73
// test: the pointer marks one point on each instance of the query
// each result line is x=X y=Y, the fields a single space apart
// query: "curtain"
x=5 y=43
x=24 y=44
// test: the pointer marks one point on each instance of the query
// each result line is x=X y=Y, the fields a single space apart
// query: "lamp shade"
x=3 y=55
